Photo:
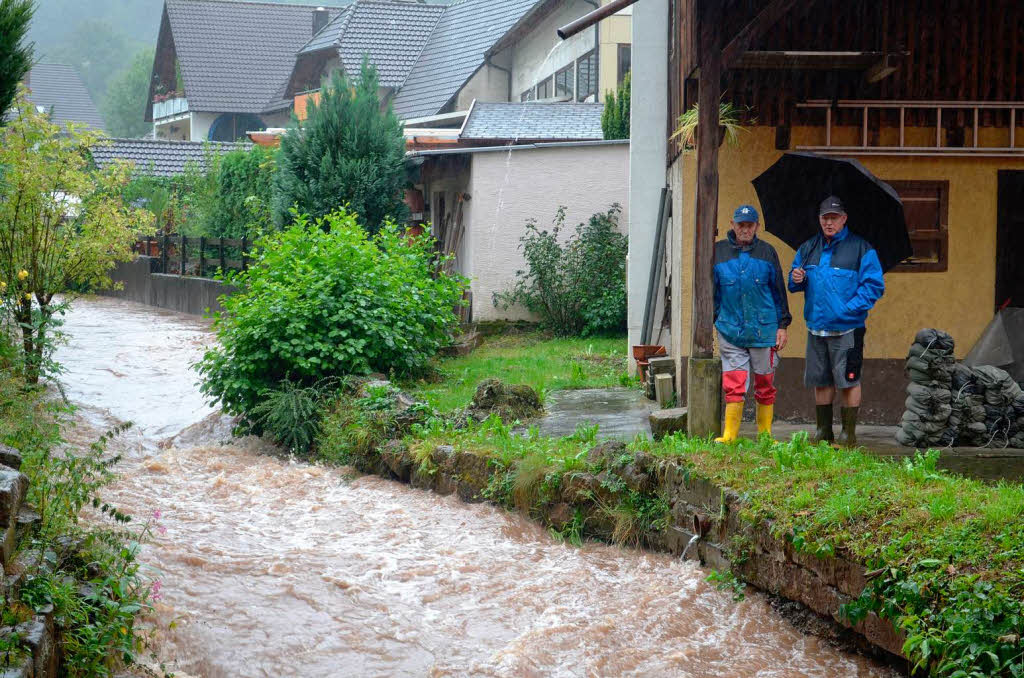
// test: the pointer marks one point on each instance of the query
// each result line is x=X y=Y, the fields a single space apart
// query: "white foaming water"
x=273 y=567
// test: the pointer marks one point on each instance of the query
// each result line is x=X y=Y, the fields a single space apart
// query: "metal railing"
x=181 y=255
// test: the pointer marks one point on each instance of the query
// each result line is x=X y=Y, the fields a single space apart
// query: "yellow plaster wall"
x=615 y=30
x=959 y=300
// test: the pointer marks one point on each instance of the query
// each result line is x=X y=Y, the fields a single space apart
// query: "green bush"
x=245 y=185
x=350 y=151
x=577 y=287
x=323 y=299
x=291 y=414
x=615 y=117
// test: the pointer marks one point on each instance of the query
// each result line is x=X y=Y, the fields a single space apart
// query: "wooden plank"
x=749 y=34
x=706 y=212
x=202 y=256
x=220 y=247
x=183 y=255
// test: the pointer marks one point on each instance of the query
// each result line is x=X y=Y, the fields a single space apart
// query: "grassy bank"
x=945 y=553
x=86 y=573
x=543 y=363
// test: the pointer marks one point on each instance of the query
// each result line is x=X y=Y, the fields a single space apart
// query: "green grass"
x=543 y=363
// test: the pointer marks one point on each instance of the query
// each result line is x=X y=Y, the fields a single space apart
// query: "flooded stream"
x=276 y=568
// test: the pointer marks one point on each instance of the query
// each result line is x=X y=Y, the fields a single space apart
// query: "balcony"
x=169 y=108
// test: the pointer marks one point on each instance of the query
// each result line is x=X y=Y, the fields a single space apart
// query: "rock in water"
x=509 y=401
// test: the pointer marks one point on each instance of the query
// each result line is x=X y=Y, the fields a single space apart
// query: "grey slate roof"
x=237 y=56
x=391 y=33
x=159 y=157
x=534 y=121
x=59 y=88
x=454 y=52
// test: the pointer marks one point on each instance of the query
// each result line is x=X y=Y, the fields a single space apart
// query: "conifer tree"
x=350 y=150
x=15 y=55
x=615 y=117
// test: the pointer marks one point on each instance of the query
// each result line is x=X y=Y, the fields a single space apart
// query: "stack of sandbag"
x=1001 y=393
x=969 y=399
x=929 y=418
x=1017 y=440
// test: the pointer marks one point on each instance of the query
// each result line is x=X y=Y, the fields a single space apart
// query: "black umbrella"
x=791 y=190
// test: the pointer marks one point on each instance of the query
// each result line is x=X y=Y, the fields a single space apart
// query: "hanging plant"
x=729 y=117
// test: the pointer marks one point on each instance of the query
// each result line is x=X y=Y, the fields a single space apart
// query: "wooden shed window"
x=563 y=82
x=544 y=88
x=586 y=76
x=926 y=208
x=625 y=61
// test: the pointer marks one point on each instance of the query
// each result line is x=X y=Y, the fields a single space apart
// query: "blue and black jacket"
x=750 y=295
x=844 y=280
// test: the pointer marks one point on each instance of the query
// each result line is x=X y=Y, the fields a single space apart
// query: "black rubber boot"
x=823 y=415
x=848 y=436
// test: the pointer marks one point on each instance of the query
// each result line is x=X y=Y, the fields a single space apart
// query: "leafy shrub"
x=576 y=288
x=350 y=151
x=323 y=299
x=245 y=185
x=291 y=414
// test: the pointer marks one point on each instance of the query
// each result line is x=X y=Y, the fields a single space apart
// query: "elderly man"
x=751 y=316
x=841 y=277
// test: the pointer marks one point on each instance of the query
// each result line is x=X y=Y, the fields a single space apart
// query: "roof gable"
x=60 y=90
x=236 y=57
x=455 y=51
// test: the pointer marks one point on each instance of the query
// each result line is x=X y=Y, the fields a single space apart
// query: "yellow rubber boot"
x=733 y=416
x=765 y=414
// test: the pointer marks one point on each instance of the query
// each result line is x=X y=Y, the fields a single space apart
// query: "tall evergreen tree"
x=15 y=53
x=615 y=117
x=349 y=150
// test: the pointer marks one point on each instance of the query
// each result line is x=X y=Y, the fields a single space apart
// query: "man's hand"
x=781 y=337
x=799 y=275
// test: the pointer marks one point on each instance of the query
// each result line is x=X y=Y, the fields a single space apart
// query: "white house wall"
x=534 y=59
x=489 y=84
x=508 y=188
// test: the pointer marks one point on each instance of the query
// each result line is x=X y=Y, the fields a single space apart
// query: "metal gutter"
x=517 y=147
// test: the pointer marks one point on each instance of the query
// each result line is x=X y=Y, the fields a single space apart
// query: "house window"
x=586 y=76
x=563 y=82
x=625 y=55
x=926 y=210
x=544 y=88
x=528 y=95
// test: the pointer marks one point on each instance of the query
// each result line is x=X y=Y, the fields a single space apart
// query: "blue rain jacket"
x=750 y=295
x=844 y=280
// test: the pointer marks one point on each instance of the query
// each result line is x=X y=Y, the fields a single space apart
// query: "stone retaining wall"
x=185 y=294
x=728 y=542
x=38 y=634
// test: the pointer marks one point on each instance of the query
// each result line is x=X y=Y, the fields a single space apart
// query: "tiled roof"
x=534 y=122
x=59 y=88
x=391 y=33
x=454 y=52
x=159 y=157
x=237 y=56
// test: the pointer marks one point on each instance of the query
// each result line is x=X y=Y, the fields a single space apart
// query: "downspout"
x=508 y=71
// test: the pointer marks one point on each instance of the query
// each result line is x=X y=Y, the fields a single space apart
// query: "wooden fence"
x=181 y=255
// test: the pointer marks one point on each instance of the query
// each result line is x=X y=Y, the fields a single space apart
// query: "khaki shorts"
x=834 y=361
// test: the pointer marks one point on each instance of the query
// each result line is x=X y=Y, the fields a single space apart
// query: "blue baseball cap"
x=745 y=213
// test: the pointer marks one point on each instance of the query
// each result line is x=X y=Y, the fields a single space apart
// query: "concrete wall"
x=647 y=152
x=489 y=84
x=185 y=294
x=507 y=188
x=540 y=54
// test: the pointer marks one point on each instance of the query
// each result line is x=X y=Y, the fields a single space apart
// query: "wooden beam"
x=706 y=211
x=807 y=60
x=749 y=34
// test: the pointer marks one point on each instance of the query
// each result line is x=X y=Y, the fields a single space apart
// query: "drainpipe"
x=508 y=71
x=588 y=20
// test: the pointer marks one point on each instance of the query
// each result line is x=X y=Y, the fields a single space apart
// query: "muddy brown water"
x=271 y=567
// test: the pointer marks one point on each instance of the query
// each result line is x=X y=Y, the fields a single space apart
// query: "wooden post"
x=709 y=99
x=245 y=247
x=202 y=255
x=163 y=252
x=223 y=264
x=183 y=255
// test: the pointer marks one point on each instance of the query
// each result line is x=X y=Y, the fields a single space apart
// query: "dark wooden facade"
x=940 y=50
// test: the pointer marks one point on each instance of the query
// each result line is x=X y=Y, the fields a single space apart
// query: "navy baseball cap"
x=831 y=205
x=745 y=213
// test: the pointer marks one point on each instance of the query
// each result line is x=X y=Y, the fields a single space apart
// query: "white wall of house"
x=508 y=188
x=533 y=57
x=201 y=123
x=489 y=84
x=647 y=153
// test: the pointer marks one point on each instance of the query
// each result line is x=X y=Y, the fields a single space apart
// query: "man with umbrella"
x=751 y=317
x=841 y=277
